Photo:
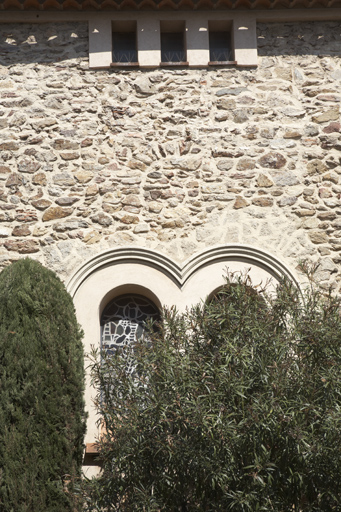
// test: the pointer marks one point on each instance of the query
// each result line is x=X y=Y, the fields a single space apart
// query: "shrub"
x=235 y=405
x=42 y=418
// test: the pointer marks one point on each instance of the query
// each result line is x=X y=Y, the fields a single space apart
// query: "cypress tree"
x=42 y=419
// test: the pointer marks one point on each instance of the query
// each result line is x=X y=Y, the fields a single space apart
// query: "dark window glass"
x=172 y=47
x=220 y=47
x=124 y=47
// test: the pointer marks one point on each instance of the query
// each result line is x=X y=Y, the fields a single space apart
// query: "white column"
x=100 y=43
x=148 y=42
x=197 y=41
x=245 y=40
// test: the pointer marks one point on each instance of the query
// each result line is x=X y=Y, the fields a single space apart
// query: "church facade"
x=147 y=146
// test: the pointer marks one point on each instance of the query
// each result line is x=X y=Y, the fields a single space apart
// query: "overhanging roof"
x=170 y=5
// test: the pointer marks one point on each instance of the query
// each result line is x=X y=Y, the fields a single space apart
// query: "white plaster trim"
x=180 y=273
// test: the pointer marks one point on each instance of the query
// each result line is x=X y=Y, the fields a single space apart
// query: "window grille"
x=124 y=48
x=220 y=47
x=172 y=47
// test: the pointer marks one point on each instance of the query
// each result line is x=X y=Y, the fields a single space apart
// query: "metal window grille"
x=124 y=47
x=172 y=47
x=220 y=47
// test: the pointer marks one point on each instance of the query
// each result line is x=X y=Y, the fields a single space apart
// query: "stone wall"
x=174 y=160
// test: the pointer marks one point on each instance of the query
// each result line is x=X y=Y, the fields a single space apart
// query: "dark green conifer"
x=42 y=419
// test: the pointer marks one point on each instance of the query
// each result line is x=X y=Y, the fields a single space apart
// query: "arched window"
x=123 y=323
x=232 y=293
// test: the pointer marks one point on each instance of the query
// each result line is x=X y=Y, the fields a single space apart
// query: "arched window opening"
x=123 y=324
x=240 y=295
x=224 y=292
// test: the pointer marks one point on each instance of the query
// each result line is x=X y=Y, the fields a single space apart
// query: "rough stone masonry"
x=174 y=160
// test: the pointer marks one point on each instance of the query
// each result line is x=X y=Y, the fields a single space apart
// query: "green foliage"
x=42 y=417
x=236 y=406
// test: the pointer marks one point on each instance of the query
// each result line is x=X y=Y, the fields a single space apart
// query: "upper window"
x=124 y=47
x=123 y=323
x=220 y=47
x=220 y=44
x=173 y=43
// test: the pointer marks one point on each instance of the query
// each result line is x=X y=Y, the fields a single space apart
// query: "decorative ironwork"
x=124 y=323
x=172 y=47
x=124 y=47
x=220 y=47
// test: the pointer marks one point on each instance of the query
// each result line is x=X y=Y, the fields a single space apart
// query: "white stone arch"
x=237 y=256
x=157 y=277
